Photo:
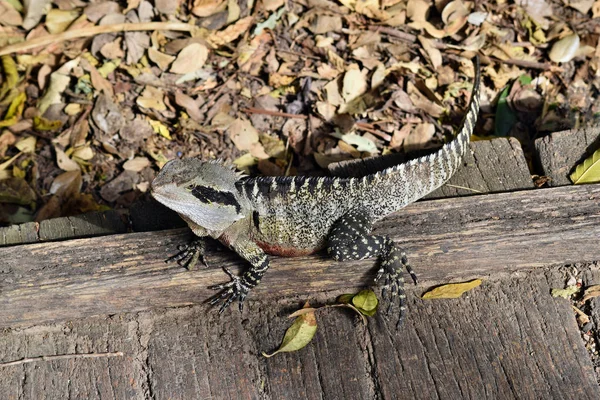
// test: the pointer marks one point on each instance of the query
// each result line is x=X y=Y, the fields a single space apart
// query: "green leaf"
x=505 y=116
x=451 y=290
x=525 y=80
x=345 y=298
x=366 y=302
x=299 y=334
x=588 y=171
x=566 y=292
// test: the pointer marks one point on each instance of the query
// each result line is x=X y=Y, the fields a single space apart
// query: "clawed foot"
x=391 y=270
x=189 y=254
x=235 y=289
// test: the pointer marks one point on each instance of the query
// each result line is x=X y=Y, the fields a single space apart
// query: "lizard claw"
x=235 y=289
x=189 y=254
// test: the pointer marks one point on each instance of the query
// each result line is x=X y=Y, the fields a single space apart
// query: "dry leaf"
x=27 y=144
x=83 y=153
x=8 y=15
x=34 y=11
x=191 y=107
x=420 y=135
x=354 y=85
x=231 y=33
x=58 y=21
x=152 y=97
x=590 y=293
x=565 y=49
x=161 y=59
x=451 y=290
x=434 y=54
x=191 y=58
x=242 y=134
x=299 y=334
x=59 y=80
x=64 y=162
x=160 y=128
x=136 y=164
x=68 y=183
x=206 y=8
x=583 y=6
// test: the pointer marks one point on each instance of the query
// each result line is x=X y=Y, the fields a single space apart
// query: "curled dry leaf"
x=361 y=142
x=588 y=171
x=190 y=59
x=161 y=59
x=299 y=334
x=64 y=162
x=590 y=293
x=451 y=290
x=59 y=80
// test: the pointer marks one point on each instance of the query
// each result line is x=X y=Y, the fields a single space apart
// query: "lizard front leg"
x=190 y=253
x=239 y=286
x=350 y=239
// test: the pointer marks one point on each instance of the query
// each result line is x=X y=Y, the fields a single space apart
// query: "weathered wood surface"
x=560 y=152
x=507 y=339
x=85 y=225
x=445 y=239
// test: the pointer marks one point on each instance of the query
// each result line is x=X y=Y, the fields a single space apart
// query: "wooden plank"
x=506 y=339
x=559 y=153
x=79 y=226
x=445 y=239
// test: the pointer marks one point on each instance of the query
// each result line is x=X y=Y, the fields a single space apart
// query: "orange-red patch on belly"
x=278 y=250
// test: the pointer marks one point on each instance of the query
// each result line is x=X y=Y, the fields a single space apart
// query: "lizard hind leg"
x=350 y=239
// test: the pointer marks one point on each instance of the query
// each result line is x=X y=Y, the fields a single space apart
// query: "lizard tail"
x=439 y=164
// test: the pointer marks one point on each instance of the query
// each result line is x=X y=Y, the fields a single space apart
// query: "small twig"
x=365 y=127
x=524 y=63
x=92 y=31
x=253 y=110
x=406 y=37
x=465 y=188
x=61 y=357
x=294 y=53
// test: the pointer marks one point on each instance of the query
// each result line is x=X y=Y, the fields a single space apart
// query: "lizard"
x=299 y=215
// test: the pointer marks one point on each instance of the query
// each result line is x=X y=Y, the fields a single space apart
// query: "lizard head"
x=202 y=192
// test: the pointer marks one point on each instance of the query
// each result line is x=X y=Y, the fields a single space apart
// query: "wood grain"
x=447 y=239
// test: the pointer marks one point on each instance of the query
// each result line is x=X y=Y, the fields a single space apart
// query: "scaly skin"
x=291 y=216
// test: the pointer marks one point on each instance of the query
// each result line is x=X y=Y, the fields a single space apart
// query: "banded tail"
x=401 y=183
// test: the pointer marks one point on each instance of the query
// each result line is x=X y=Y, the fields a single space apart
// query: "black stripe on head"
x=209 y=195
